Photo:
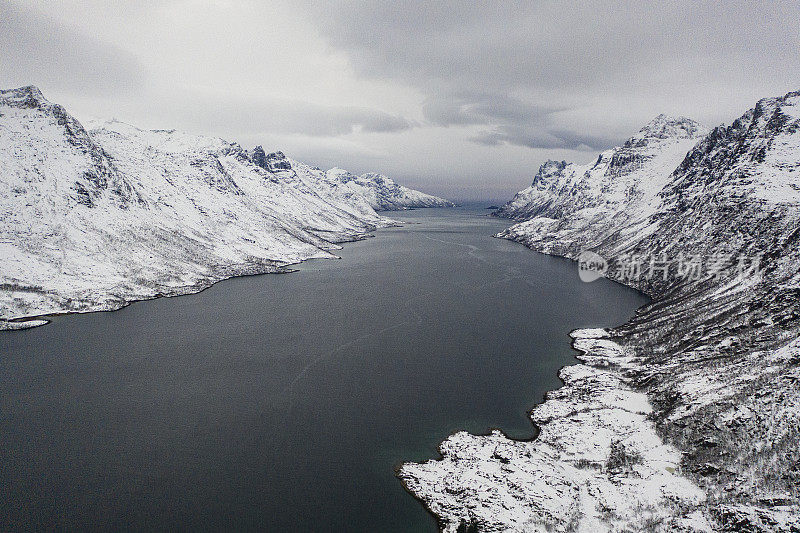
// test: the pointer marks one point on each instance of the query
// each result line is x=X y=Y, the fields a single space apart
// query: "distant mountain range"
x=93 y=218
x=687 y=418
x=383 y=194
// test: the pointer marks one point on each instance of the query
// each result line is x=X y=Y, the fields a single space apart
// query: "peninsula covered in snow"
x=100 y=215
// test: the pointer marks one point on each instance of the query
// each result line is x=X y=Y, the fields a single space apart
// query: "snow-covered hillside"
x=93 y=219
x=383 y=194
x=586 y=201
x=715 y=239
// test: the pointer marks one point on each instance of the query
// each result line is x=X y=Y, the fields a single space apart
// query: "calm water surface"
x=284 y=402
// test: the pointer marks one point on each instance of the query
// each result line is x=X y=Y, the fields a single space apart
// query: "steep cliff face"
x=93 y=219
x=714 y=237
x=51 y=149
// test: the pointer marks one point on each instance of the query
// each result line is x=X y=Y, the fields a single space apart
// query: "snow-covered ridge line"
x=621 y=179
x=383 y=194
x=96 y=218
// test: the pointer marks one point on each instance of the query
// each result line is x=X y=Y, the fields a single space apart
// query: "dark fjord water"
x=283 y=402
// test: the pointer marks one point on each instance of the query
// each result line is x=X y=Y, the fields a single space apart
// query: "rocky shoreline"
x=221 y=274
x=597 y=460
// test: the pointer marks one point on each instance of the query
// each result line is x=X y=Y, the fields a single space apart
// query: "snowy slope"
x=382 y=193
x=95 y=219
x=622 y=184
x=715 y=357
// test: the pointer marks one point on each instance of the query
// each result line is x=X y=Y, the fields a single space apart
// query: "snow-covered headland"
x=597 y=460
x=94 y=218
x=687 y=418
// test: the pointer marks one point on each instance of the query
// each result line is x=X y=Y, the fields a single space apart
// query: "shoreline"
x=274 y=267
x=225 y=273
x=449 y=447
x=703 y=411
x=496 y=482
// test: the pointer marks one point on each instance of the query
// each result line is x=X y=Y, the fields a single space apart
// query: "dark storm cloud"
x=38 y=51
x=470 y=59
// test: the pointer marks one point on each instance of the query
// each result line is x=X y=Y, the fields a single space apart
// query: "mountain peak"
x=547 y=171
x=788 y=105
x=669 y=127
x=259 y=157
x=272 y=162
x=28 y=96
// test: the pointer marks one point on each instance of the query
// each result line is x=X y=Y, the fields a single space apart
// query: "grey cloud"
x=533 y=137
x=468 y=59
x=312 y=119
x=39 y=51
x=599 y=44
x=375 y=121
x=446 y=110
x=513 y=121
x=277 y=116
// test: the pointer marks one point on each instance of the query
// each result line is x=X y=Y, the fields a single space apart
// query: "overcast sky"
x=449 y=97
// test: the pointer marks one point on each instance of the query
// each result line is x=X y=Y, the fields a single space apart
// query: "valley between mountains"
x=685 y=418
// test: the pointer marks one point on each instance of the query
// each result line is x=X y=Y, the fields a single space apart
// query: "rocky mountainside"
x=622 y=184
x=710 y=369
x=382 y=193
x=95 y=218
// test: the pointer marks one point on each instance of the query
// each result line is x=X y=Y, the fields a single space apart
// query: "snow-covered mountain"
x=687 y=418
x=93 y=219
x=383 y=194
x=586 y=201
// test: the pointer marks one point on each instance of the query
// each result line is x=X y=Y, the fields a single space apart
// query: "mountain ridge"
x=383 y=194
x=712 y=362
x=96 y=218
